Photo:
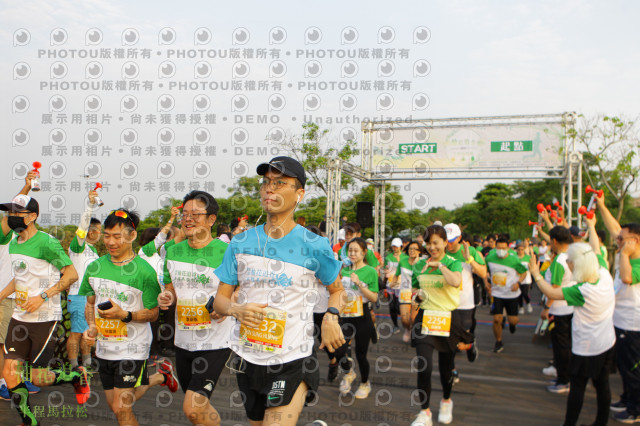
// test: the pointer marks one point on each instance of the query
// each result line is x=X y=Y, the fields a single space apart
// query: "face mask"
x=16 y=223
x=502 y=252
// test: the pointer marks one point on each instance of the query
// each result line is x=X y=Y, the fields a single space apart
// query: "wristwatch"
x=128 y=318
x=44 y=296
x=333 y=311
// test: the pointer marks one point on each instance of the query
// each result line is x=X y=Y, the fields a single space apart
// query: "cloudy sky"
x=190 y=91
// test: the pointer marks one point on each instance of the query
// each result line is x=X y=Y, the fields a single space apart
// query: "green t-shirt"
x=191 y=272
x=408 y=272
x=367 y=274
x=369 y=258
x=504 y=272
x=134 y=287
x=440 y=295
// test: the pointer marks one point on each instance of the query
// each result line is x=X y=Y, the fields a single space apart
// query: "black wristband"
x=128 y=318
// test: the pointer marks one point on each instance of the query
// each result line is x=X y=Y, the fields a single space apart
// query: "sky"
x=211 y=81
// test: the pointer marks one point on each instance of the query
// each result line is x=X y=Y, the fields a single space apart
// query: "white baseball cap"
x=437 y=222
x=341 y=235
x=453 y=231
x=396 y=242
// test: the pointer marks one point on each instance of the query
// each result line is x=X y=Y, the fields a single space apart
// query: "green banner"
x=418 y=148
x=511 y=146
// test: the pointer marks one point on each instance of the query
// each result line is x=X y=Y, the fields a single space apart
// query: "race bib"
x=111 y=330
x=405 y=295
x=268 y=336
x=436 y=323
x=22 y=295
x=192 y=316
x=354 y=307
x=499 y=279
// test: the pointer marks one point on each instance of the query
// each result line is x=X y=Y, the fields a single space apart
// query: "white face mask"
x=502 y=252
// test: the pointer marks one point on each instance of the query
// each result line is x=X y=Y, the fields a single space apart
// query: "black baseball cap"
x=287 y=166
x=575 y=231
x=20 y=203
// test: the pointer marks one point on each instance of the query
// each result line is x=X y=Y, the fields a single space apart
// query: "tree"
x=313 y=150
x=610 y=159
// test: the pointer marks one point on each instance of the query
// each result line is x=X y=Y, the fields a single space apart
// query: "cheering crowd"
x=255 y=299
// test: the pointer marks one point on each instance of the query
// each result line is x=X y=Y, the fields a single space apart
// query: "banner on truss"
x=466 y=145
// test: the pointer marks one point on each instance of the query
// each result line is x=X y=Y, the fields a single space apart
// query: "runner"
x=506 y=274
x=593 y=337
x=122 y=291
x=523 y=251
x=81 y=252
x=406 y=274
x=438 y=326
x=8 y=305
x=391 y=262
x=354 y=230
x=272 y=265
x=42 y=270
x=201 y=336
x=361 y=286
x=472 y=263
x=626 y=316
x=558 y=312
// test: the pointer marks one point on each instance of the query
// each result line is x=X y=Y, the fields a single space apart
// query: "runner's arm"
x=249 y=314
x=85 y=219
x=610 y=222
x=8 y=290
x=594 y=241
x=167 y=297
x=90 y=316
x=332 y=337
x=68 y=276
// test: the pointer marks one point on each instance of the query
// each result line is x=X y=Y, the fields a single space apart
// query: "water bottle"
x=98 y=201
x=35 y=183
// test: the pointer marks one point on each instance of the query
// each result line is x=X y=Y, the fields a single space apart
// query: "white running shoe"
x=423 y=419
x=345 y=384
x=529 y=308
x=363 y=390
x=445 y=415
x=550 y=371
x=521 y=311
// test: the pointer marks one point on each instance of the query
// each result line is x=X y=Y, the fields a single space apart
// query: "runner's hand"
x=116 y=312
x=628 y=248
x=165 y=299
x=249 y=314
x=33 y=303
x=465 y=250
x=533 y=266
x=515 y=287
x=544 y=314
x=30 y=176
x=355 y=279
x=217 y=317
x=90 y=334
x=174 y=212
x=332 y=337
x=92 y=196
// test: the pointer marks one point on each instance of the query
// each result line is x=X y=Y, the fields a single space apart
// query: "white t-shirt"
x=279 y=272
x=5 y=261
x=592 y=330
x=81 y=256
x=627 y=313
x=191 y=271
x=561 y=276
x=36 y=265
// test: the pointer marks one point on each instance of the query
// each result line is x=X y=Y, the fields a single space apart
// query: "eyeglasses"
x=192 y=215
x=275 y=184
x=24 y=212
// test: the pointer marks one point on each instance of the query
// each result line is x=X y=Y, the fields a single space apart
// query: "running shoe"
x=445 y=415
x=558 y=388
x=4 y=393
x=626 y=417
x=423 y=419
x=616 y=407
x=81 y=384
x=498 y=347
x=363 y=390
x=345 y=384
x=550 y=371
x=455 y=377
x=31 y=387
x=166 y=369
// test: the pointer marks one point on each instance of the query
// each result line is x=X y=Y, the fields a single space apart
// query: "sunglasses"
x=122 y=214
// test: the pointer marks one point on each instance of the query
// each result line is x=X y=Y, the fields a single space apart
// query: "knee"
x=497 y=319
